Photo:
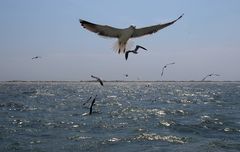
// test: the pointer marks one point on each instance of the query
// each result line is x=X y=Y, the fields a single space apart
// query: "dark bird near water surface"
x=93 y=102
x=98 y=79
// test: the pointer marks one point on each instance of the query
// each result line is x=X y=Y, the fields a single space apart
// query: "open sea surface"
x=127 y=116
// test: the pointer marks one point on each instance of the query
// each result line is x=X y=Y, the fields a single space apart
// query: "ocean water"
x=127 y=116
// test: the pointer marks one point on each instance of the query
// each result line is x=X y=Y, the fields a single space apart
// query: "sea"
x=126 y=116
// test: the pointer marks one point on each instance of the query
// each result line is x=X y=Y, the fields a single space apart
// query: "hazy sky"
x=206 y=40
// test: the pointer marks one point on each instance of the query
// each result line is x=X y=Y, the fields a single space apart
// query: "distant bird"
x=209 y=75
x=98 y=79
x=90 y=112
x=126 y=75
x=36 y=57
x=165 y=66
x=134 y=51
x=87 y=100
x=123 y=35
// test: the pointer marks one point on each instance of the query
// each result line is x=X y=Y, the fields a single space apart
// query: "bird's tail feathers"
x=121 y=47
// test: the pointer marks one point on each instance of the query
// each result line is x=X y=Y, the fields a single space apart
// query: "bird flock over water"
x=123 y=35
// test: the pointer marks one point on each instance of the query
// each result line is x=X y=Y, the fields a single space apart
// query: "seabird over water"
x=209 y=75
x=90 y=112
x=98 y=79
x=165 y=66
x=134 y=51
x=124 y=34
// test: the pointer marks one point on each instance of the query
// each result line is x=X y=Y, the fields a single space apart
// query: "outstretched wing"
x=162 y=71
x=103 y=30
x=152 y=29
x=126 y=55
x=170 y=63
x=90 y=112
x=100 y=81
x=205 y=78
x=138 y=46
x=95 y=77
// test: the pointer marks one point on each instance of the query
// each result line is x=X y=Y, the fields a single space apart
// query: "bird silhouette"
x=98 y=79
x=165 y=66
x=36 y=57
x=93 y=102
x=209 y=75
x=134 y=51
x=123 y=35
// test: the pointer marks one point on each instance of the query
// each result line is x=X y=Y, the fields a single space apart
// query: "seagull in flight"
x=134 y=51
x=124 y=34
x=36 y=57
x=90 y=112
x=209 y=75
x=165 y=66
x=98 y=79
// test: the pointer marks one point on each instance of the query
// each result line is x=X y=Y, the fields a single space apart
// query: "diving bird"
x=165 y=66
x=134 y=51
x=123 y=35
x=209 y=75
x=98 y=79
x=90 y=112
x=36 y=57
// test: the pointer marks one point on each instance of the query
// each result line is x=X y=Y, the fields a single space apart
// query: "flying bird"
x=134 y=51
x=36 y=57
x=165 y=66
x=123 y=35
x=90 y=112
x=98 y=79
x=209 y=75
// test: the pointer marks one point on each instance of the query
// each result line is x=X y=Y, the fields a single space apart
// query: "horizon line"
x=121 y=81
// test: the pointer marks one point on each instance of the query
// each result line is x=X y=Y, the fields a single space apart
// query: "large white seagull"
x=123 y=35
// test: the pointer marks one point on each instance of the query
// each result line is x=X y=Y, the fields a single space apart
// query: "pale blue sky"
x=206 y=40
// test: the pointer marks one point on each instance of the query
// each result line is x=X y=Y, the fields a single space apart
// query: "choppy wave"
x=137 y=116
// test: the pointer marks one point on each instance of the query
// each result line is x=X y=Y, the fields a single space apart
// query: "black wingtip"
x=81 y=21
x=180 y=16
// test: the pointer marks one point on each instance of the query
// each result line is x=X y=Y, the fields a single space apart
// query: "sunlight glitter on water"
x=124 y=115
